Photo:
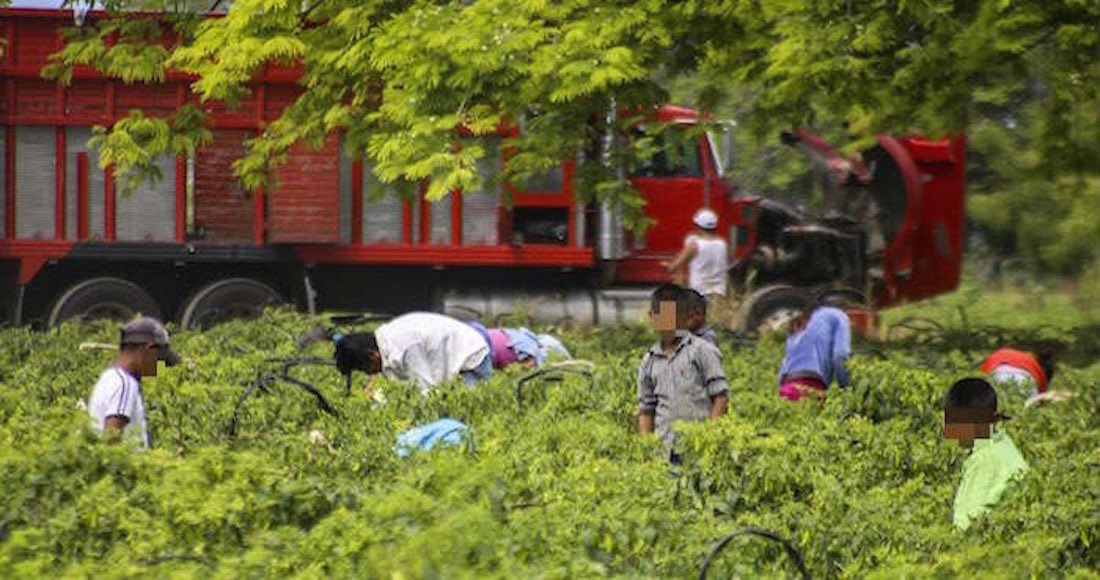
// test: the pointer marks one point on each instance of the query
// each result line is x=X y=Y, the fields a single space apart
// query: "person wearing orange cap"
x=1029 y=371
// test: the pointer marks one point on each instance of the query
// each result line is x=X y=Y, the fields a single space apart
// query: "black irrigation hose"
x=264 y=380
x=919 y=325
x=551 y=373
x=792 y=552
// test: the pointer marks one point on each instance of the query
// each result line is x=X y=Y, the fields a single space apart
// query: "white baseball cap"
x=706 y=219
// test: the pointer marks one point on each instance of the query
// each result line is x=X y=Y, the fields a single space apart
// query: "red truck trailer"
x=196 y=248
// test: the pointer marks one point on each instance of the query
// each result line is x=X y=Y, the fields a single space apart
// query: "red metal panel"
x=33 y=254
x=110 y=112
x=109 y=205
x=456 y=218
x=424 y=209
x=222 y=209
x=35 y=101
x=9 y=37
x=87 y=102
x=82 y=195
x=9 y=182
x=357 y=202
x=427 y=254
x=59 y=183
x=305 y=206
x=261 y=103
x=33 y=41
x=259 y=212
x=153 y=99
x=937 y=245
x=277 y=97
x=407 y=222
x=181 y=198
x=8 y=103
x=244 y=112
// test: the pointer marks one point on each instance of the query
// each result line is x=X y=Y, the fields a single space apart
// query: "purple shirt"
x=503 y=355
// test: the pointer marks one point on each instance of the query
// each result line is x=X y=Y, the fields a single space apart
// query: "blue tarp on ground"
x=445 y=432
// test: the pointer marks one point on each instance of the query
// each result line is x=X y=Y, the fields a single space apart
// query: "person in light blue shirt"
x=818 y=348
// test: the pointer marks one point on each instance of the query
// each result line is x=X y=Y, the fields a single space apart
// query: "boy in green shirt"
x=969 y=417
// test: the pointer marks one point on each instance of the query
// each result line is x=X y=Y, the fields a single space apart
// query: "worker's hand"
x=1048 y=397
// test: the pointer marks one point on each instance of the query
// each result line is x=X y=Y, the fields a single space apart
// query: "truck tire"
x=842 y=297
x=112 y=298
x=229 y=299
x=773 y=308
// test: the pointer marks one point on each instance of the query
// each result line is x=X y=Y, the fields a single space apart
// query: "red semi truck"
x=196 y=248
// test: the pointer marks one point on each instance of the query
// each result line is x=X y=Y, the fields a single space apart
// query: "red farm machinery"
x=196 y=248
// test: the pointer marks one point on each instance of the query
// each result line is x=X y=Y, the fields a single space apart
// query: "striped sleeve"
x=122 y=396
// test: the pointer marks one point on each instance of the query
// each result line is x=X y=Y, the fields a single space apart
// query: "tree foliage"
x=398 y=76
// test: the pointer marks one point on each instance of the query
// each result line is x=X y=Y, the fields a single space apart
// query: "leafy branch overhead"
x=398 y=77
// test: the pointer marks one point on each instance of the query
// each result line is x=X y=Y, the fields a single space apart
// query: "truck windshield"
x=670 y=151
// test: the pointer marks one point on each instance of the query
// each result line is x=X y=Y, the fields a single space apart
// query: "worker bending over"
x=1029 y=372
x=520 y=345
x=422 y=347
x=818 y=347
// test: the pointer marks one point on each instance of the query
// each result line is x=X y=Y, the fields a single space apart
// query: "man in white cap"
x=706 y=257
x=117 y=406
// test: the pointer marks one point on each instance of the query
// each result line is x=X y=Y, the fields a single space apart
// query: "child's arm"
x=647 y=399
x=718 y=405
x=685 y=256
x=714 y=381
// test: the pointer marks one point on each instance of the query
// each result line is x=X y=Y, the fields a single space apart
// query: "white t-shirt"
x=707 y=270
x=118 y=393
x=429 y=348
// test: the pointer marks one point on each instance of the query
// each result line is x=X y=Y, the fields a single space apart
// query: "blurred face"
x=374 y=362
x=664 y=317
x=147 y=359
x=967 y=425
x=696 y=319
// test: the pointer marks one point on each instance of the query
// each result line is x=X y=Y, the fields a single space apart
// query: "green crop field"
x=558 y=487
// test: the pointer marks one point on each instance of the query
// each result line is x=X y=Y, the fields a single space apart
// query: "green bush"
x=862 y=485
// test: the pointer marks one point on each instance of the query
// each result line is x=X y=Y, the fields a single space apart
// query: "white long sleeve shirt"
x=429 y=348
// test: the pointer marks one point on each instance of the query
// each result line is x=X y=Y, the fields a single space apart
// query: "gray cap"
x=149 y=331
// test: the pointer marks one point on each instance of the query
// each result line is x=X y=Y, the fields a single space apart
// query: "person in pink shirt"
x=511 y=345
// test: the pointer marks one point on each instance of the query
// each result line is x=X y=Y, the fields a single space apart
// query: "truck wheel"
x=112 y=298
x=228 y=299
x=842 y=297
x=771 y=310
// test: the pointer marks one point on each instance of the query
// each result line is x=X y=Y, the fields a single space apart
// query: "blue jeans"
x=482 y=372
